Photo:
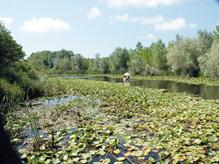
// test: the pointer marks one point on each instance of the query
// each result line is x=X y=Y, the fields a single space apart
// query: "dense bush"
x=18 y=81
x=10 y=93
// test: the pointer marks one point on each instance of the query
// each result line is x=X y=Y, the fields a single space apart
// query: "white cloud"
x=148 y=37
x=193 y=25
x=142 y=3
x=159 y=22
x=126 y=18
x=7 y=21
x=174 y=24
x=44 y=25
x=93 y=13
x=122 y=18
x=151 y=20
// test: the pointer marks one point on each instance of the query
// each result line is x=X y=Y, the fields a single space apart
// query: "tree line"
x=198 y=56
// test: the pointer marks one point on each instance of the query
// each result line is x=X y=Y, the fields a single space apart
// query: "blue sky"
x=99 y=26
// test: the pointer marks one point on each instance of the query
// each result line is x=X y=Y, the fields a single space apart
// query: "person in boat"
x=126 y=77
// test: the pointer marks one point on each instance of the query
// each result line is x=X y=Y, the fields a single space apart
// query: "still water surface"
x=206 y=92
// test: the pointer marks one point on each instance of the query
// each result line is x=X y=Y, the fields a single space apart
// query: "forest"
x=183 y=56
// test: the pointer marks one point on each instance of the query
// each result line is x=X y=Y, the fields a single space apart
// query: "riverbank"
x=118 y=123
x=182 y=79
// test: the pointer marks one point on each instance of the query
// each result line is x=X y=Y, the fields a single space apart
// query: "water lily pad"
x=120 y=158
x=106 y=161
x=117 y=151
x=65 y=157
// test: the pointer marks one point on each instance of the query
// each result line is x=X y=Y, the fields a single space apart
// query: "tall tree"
x=10 y=51
x=182 y=57
x=204 y=41
x=119 y=60
x=159 y=55
x=209 y=63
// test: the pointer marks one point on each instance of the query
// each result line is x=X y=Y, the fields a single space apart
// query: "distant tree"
x=139 y=47
x=159 y=52
x=136 y=64
x=78 y=65
x=182 y=57
x=204 y=41
x=216 y=33
x=209 y=63
x=64 y=66
x=104 y=65
x=138 y=59
x=58 y=61
x=119 y=60
x=95 y=64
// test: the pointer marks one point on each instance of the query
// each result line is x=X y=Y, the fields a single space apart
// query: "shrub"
x=10 y=94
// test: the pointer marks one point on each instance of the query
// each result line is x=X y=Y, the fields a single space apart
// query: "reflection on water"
x=206 y=92
x=58 y=101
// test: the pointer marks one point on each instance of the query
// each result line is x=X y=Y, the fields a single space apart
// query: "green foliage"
x=179 y=57
x=119 y=60
x=159 y=55
x=10 y=51
x=18 y=80
x=209 y=63
x=58 y=62
x=204 y=41
x=216 y=33
x=137 y=65
x=182 y=57
x=22 y=74
x=9 y=93
x=141 y=60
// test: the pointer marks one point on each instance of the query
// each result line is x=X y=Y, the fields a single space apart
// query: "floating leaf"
x=120 y=158
x=117 y=151
x=65 y=157
x=106 y=161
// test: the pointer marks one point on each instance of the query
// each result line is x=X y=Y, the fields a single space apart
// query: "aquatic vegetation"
x=182 y=79
x=112 y=122
x=188 y=80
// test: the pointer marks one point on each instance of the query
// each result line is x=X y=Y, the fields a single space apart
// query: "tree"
x=78 y=63
x=216 y=33
x=204 y=41
x=104 y=65
x=139 y=47
x=182 y=57
x=64 y=66
x=209 y=63
x=138 y=59
x=17 y=79
x=10 y=51
x=119 y=60
x=159 y=55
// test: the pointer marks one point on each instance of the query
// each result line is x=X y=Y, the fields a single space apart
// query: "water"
x=206 y=92
x=58 y=101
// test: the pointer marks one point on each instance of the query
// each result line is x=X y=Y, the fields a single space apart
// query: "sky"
x=99 y=26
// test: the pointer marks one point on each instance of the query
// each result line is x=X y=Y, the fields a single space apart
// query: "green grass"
x=176 y=126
